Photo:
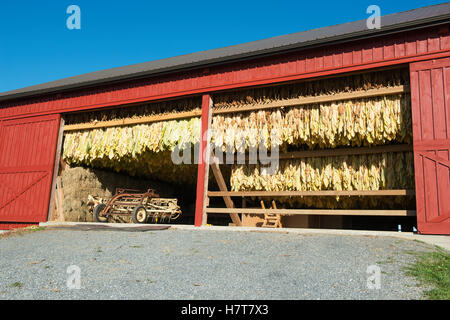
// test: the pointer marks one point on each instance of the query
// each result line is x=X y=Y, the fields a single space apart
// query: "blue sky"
x=36 y=46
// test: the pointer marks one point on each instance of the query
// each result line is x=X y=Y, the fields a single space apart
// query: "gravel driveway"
x=184 y=264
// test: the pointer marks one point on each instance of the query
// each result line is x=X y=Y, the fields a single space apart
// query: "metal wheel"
x=98 y=213
x=139 y=214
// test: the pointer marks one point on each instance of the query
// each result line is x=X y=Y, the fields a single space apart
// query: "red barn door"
x=27 y=155
x=430 y=99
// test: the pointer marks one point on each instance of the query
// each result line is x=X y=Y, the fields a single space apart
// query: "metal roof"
x=416 y=18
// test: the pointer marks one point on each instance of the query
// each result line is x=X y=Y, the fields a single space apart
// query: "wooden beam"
x=51 y=210
x=346 y=151
x=275 y=104
x=59 y=198
x=132 y=121
x=337 y=152
x=203 y=163
x=223 y=187
x=350 y=212
x=320 y=193
x=316 y=99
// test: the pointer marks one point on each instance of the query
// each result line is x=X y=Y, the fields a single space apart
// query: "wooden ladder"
x=271 y=220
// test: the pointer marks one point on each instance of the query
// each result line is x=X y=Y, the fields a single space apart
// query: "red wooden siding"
x=369 y=53
x=27 y=153
x=430 y=94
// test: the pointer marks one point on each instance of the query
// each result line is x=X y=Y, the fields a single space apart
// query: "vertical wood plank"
x=347 y=56
x=437 y=89
x=431 y=192
x=426 y=105
x=410 y=45
x=327 y=58
x=378 y=50
x=389 y=51
x=367 y=53
x=422 y=43
x=203 y=162
x=446 y=75
x=415 y=106
x=51 y=213
x=337 y=58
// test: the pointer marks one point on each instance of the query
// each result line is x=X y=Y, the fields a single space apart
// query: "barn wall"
x=359 y=55
x=430 y=98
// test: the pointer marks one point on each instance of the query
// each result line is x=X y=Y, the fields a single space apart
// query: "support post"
x=56 y=169
x=203 y=163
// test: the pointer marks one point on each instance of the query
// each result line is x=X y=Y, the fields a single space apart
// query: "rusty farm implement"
x=142 y=206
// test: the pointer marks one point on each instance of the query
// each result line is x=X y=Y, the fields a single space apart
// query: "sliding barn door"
x=430 y=98
x=27 y=155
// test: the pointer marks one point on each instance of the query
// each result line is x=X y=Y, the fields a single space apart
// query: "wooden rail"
x=333 y=212
x=276 y=104
x=321 y=193
x=334 y=152
x=317 y=99
x=132 y=121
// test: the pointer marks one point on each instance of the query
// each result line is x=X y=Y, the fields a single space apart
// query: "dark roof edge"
x=366 y=33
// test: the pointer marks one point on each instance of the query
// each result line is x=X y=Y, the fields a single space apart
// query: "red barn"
x=31 y=126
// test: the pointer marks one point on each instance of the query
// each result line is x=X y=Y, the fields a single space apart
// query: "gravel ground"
x=184 y=264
